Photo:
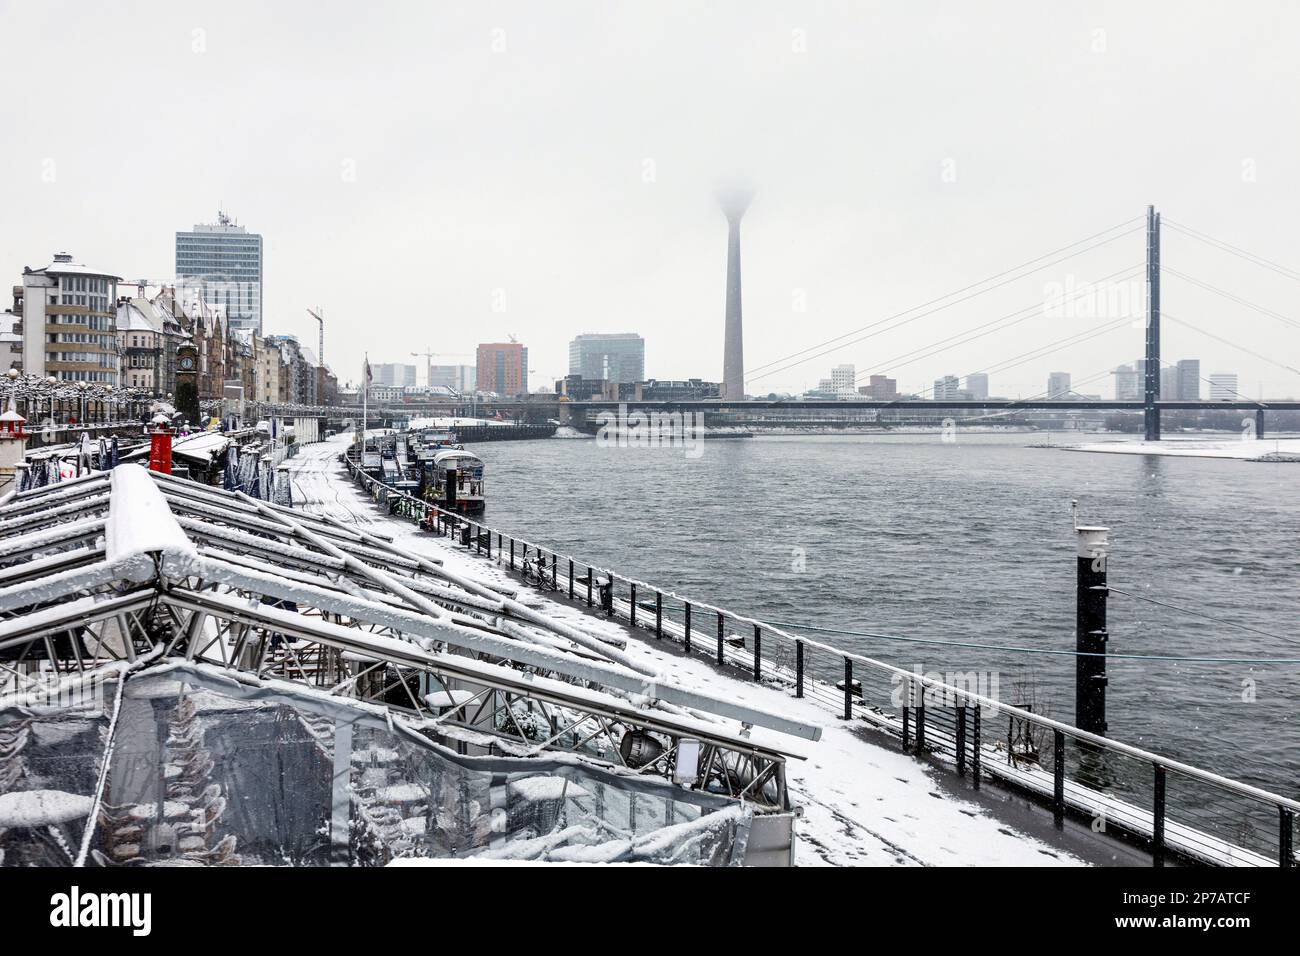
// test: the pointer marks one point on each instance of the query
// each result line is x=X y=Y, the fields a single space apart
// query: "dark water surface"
x=965 y=541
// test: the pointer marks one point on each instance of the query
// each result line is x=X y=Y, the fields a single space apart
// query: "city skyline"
x=541 y=250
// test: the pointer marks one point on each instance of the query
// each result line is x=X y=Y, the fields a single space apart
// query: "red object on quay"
x=160 y=449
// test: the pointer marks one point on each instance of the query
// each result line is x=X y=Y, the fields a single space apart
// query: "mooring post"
x=720 y=638
x=1058 y=776
x=848 y=689
x=961 y=741
x=1090 y=635
x=1158 y=819
x=1285 y=827
x=798 y=668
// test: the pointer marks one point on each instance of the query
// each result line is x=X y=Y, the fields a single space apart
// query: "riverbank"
x=863 y=803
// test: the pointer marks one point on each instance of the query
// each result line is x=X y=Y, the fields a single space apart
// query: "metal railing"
x=1176 y=809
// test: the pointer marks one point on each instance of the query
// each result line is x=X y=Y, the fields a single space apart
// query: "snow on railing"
x=932 y=718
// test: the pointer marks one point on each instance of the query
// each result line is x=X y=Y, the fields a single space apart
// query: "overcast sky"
x=436 y=174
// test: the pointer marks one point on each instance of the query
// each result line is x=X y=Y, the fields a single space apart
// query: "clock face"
x=187 y=363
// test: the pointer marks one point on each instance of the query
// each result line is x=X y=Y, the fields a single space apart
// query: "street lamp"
x=51 y=381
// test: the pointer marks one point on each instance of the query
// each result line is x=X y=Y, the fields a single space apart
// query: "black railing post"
x=907 y=714
x=1158 y=819
x=961 y=741
x=686 y=638
x=920 y=722
x=554 y=580
x=1058 y=776
x=590 y=576
x=758 y=652
x=975 y=749
x=659 y=614
x=1285 y=829
x=720 y=637
x=570 y=579
x=632 y=586
x=512 y=554
x=489 y=551
x=798 y=668
x=848 y=689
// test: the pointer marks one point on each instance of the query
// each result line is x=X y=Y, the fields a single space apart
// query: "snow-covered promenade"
x=863 y=803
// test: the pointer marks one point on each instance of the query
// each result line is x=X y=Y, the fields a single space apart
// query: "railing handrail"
x=1106 y=743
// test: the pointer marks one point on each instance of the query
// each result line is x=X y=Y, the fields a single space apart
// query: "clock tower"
x=187 y=383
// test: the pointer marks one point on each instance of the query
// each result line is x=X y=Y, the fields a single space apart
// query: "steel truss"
x=262 y=593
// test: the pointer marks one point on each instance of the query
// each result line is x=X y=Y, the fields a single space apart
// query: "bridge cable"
x=1224 y=246
x=1242 y=348
x=1232 y=297
x=911 y=318
x=975 y=332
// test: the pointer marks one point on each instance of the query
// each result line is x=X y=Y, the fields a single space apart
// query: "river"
x=969 y=541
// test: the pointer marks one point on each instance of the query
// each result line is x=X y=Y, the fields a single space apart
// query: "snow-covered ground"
x=1244 y=449
x=863 y=804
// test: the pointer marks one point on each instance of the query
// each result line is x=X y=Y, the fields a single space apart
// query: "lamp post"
x=52 y=382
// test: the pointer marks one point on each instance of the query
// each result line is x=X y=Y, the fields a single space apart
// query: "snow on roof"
x=295 y=573
x=65 y=266
x=139 y=520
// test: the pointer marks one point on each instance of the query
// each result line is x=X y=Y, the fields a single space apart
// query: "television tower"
x=734 y=202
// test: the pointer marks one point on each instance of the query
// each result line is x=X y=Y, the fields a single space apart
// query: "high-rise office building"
x=1058 y=386
x=1128 y=384
x=947 y=389
x=1168 y=384
x=462 y=378
x=69 y=316
x=608 y=356
x=1223 y=387
x=222 y=263
x=395 y=374
x=977 y=384
x=503 y=368
x=1189 y=380
x=844 y=380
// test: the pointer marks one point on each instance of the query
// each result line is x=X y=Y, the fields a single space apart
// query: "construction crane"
x=320 y=353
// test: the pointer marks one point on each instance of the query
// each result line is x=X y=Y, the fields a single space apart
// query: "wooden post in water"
x=1090 y=635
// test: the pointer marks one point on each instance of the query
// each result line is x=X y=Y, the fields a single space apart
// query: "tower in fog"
x=734 y=202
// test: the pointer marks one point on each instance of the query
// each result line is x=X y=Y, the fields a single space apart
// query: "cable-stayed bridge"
x=1151 y=271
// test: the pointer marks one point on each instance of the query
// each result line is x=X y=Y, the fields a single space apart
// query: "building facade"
x=68 y=314
x=460 y=378
x=1058 y=386
x=880 y=388
x=977 y=384
x=1223 y=387
x=1129 y=386
x=222 y=263
x=1189 y=380
x=612 y=356
x=402 y=376
x=503 y=368
x=947 y=389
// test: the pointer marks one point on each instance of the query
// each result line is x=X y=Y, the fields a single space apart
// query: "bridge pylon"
x=1151 y=379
